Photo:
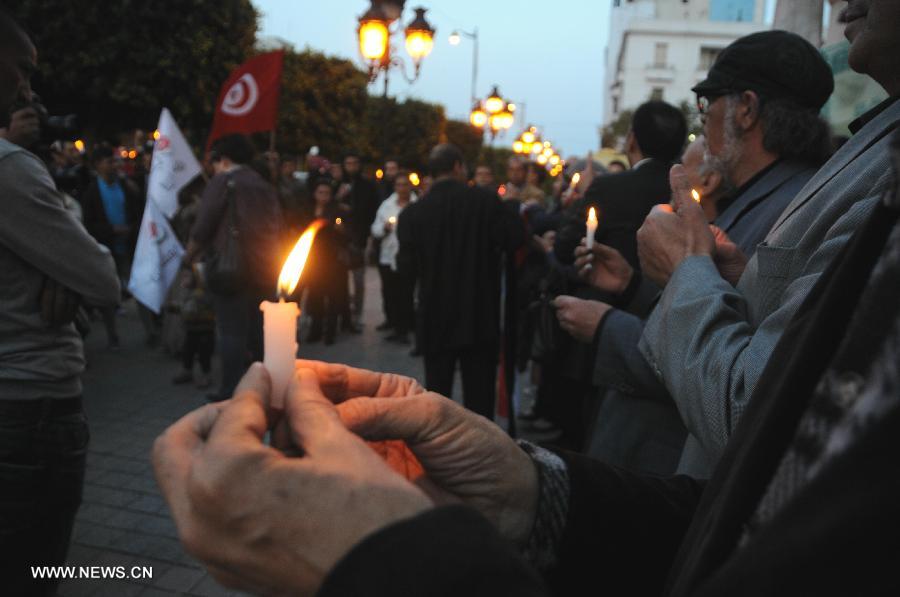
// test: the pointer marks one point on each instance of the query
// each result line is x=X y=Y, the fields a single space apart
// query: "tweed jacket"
x=709 y=341
x=638 y=426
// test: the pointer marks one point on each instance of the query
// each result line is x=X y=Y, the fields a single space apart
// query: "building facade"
x=659 y=49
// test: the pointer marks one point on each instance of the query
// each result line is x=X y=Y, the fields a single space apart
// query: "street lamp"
x=374 y=33
x=478 y=117
x=494 y=103
x=454 y=39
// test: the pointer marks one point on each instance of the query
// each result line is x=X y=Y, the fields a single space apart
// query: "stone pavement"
x=130 y=400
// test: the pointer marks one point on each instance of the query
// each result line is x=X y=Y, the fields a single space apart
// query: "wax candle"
x=280 y=319
x=591 y=228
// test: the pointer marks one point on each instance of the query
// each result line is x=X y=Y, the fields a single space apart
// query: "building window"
x=657 y=94
x=660 y=55
x=708 y=57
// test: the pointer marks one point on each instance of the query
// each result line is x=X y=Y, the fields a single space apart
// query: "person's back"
x=460 y=265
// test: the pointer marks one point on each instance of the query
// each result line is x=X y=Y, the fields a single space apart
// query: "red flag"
x=248 y=102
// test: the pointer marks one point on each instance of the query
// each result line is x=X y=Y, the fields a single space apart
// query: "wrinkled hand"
x=58 y=304
x=263 y=521
x=729 y=259
x=24 y=128
x=603 y=267
x=670 y=234
x=466 y=458
x=580 y=317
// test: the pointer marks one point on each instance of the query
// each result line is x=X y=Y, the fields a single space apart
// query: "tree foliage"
x=117 y=64
x=404 y=130
x=467 y=137
x=322 y=103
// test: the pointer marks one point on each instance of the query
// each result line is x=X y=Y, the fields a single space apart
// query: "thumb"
x=311 y=416
x=682 y=201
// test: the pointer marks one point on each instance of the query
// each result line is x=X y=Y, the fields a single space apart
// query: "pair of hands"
x=672 y=233
x=273 y=519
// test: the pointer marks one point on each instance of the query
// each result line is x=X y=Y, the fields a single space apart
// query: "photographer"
x=47 y=262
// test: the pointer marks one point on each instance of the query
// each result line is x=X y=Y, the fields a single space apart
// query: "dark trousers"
x=478 y=369
x=239 y=329
x=398 y=297
x=198 y=344
x=324 y=305
x=43 y=444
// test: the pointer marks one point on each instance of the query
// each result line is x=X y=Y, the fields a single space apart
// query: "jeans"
x=43 y=445
x=240 y=336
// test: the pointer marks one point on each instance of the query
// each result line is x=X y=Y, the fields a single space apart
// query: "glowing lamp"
x=373 y=35
x=419 y=37
x=494 y=103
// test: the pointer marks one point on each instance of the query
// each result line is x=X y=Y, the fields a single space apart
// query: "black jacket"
x=633 y=535
x=451 y=240
x=623 y=201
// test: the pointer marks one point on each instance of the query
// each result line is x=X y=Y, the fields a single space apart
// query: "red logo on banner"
x=248 y=101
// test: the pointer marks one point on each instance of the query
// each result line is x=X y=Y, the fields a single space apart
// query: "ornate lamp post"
x=374 y=33
x=494 y=113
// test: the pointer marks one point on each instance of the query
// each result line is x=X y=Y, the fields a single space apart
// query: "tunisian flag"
x=248 y=102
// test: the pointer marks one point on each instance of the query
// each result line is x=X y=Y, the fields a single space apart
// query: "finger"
x=681 y=187
x=339 y=382
x=562 y=301
x=312 y=417
x=173 y=454
x=581 y=251
x=244 y=420
x=413 y=419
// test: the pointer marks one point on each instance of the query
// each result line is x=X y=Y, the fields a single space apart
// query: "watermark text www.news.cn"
x=92 y=572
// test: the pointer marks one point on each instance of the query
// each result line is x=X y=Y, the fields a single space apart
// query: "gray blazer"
x=708 y=341
x=638 y=426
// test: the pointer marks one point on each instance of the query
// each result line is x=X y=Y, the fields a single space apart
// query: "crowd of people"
x=720 y=356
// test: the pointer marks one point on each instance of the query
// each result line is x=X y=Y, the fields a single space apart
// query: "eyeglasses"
x=705 y=101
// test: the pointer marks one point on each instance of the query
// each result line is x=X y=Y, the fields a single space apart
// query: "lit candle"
x=280 y=319
x=591 y=228
x=695 y=195
x=392 y=220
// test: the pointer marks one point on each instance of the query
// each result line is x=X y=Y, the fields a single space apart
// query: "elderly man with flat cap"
x=767 y=139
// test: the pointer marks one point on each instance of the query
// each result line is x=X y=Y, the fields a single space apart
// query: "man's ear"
x=748 y=111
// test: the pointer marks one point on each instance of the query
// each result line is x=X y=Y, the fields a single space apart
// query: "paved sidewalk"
x=129 y=399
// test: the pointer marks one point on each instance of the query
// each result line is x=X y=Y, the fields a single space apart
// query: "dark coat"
x=451 y=240
x=94 y=214
x=632 y=535
x=623 y=201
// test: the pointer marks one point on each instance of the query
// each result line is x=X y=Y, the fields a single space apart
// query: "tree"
x=467 y=137
x=406 y=131
x=613 y=134
x=117 y=64
x=496 y=158
x=323 y=100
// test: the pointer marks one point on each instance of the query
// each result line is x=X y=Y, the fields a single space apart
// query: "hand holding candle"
x=280 y=319
x=591 y=228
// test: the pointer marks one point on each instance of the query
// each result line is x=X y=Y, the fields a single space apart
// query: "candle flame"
x=576 y=179
x=293 y=266
x=592 y=216
x=695 y=195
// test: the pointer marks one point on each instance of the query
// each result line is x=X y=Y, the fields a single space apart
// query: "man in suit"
x=453 y=239
x=805 y=501
x=766 y=163
x=655 y=140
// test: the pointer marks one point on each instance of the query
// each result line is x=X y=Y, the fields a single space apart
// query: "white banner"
x=173 y=166
x=157 y=256
x=157 y=259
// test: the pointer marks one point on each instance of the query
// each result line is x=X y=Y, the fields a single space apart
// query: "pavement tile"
x=179 y=578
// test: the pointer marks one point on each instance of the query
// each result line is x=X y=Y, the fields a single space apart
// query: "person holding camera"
x=48 y=264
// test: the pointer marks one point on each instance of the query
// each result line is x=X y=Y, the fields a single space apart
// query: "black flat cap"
x=774 y=64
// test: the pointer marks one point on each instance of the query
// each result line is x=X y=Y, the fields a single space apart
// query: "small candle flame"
x=293 y=266
x=576 y=178
x=338 y=221
x=592 y=216
x=392 y=219
x=695 y=195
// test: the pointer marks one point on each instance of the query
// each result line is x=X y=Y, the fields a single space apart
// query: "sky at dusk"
x=548 y=57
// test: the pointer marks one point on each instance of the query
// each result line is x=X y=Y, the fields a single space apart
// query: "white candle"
x=280 y=319
x=591 y=228
x=280 y=345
